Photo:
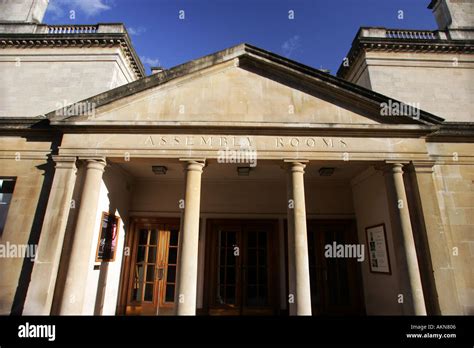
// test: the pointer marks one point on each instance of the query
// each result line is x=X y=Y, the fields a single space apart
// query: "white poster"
x=378 y=251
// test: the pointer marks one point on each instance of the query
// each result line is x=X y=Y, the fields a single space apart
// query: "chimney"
x=453 y=14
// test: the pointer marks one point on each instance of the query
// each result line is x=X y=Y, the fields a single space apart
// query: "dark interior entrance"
x=242 y=267
x=335 y=282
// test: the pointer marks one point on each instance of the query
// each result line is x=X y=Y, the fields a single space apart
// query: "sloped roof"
x=257 y=59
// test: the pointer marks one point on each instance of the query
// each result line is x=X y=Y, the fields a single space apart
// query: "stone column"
x=188 y=262
x=297 y=229
x=39 y=298
x=82 y=243
x=291 y=246
x=408 y=267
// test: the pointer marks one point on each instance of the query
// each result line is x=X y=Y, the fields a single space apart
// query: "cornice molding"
x=402 y=41
x=24 y=41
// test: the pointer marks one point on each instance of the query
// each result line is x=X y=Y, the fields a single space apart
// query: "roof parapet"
x=38 y=35
x=34 y=28
x=380 y=38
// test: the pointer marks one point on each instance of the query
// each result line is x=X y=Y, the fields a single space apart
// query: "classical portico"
x=228 y=190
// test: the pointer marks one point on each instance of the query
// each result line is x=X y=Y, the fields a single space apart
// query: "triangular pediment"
x=237 y=86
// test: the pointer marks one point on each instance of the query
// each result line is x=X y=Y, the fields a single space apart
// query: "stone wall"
x=455 y=190
x=442 y=84
x=38 y=81
x=26 y=161
x=31 y=11
x=371 y=206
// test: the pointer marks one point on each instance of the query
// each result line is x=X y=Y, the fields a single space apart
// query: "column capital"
x=295 y=165
x=64 y=162
x=390 y=167
x=193 y=164
x=60 y=158
x=92 y=158
x=96 y=163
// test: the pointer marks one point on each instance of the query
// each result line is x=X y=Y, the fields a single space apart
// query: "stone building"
x=238 y=183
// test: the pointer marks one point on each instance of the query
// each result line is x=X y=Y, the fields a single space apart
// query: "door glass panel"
x=171 y=276
x=252 y=299
x=148 y=292
x=173 y=255
x=171 y=265
x=150 y=273
x=169 y=293
x=262 y=276
x=138 y=283
x=143 y=237
x=251 y=257
x=262 y=256
x=227 y=275
x=137 y=292
x=251 y=240
x=151 y=254
x=174 y=238
x=153 y=237
x=144 y=275
x=230 y=294
x=256 y=267
x=252 y=275
x=141 y=253
x=337 y=277
x=231 y=275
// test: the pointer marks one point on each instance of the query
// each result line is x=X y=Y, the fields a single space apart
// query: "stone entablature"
x=401 y=40
x=26 y=35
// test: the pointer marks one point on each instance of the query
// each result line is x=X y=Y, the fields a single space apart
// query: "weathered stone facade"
x=150 y=152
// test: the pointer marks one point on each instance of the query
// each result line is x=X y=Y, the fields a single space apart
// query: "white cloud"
x=136 y=31
x=150 y=61
x=290 y=45
x=88 y=7
x=91 y=7
x=55 y=8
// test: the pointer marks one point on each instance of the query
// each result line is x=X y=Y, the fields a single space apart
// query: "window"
x=6 y=192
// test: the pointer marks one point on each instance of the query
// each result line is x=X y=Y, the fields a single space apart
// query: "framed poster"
x=108 y=237
x=378 y=249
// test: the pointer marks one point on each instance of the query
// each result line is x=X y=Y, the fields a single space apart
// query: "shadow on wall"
x=117 y=187
x=35 y=232
x=117 y=203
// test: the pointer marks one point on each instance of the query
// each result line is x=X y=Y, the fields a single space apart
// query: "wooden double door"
x=152 y=271
x=242 y=273
x=335 y=281
x=241 y=268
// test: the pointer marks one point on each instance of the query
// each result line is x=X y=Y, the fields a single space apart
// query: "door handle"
x=159 y=274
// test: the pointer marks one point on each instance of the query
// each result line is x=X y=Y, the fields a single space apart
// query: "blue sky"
x=320 y=35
